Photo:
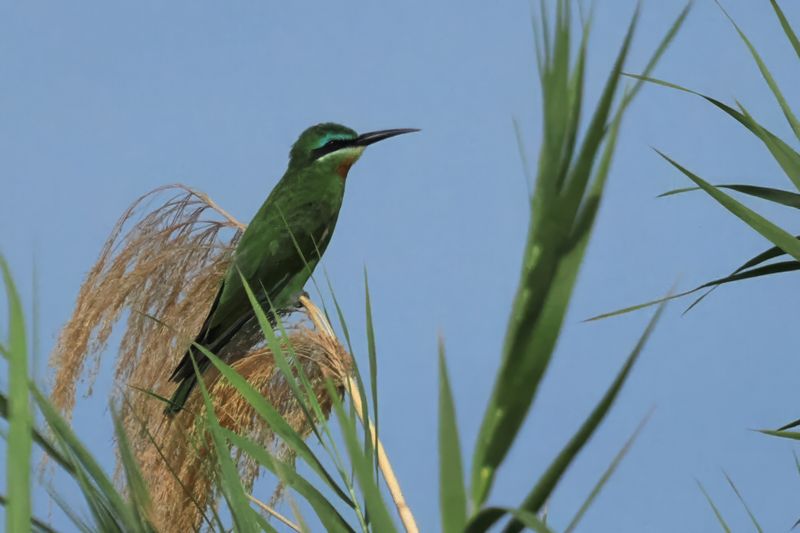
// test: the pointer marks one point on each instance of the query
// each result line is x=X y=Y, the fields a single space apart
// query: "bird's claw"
x=296 y=303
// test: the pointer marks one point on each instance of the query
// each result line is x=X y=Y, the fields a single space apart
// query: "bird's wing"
x=213 y=338
x=272 y=262
x=185 y=363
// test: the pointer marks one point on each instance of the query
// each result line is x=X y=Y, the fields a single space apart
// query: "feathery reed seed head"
x=159 y=272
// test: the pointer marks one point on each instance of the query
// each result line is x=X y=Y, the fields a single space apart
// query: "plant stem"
x=383 y=463
x=274 y=513
x=406 y=517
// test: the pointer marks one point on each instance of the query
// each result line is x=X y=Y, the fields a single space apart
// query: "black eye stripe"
x=330 y=146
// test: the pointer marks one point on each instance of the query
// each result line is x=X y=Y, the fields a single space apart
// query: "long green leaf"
x=275 y=421
x=107 y=504
x=69 y=512
x=482 y=521
x=37 y=524
x=585 y=161
x=545 y=288
x=787 y=27
x=793 y=435
x=376 y=507
x=303 y=400
x=544 y=487
x=606 y=475
x=373 y=370
x=744 y=503
x=720 y=519
x=310 y=397
x=452 y=493
x=229 y=481
x=662 y=47
x=137 y=489
x=327 y=513
x=784 y=155
x=20 y=420
x=778 y=196
x=762 y=67
x=42 y=441
x=168 y=465
x=772 y=232
x=767 y=270
x=359 y=381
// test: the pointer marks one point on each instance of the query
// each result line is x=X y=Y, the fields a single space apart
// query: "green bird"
x=283 y=243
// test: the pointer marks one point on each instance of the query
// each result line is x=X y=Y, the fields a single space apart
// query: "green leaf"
x=108 y=507
x=796 y=461
x=530 y=520
x=137 y=489
x=275 y=421
x=167 y=463
x=452 y=493
x=356 y=372
x=784 y=155
x=20 y=420
x=606 y=475
x=70 y=513
x=582 y=170
x=375 y=505
x=744 y=503
x=772 y=232
x=40 y=440
x=787 y=27
x=790 y=425
x=714 y=508
x=778 y=196
x=229 y=481
x=547 y=483
x=662 y=47
x=793 y=435
x=373 y=368
x=739 y=275
x=482 y=521
x=762 y=67
x=563 y=210
x=275 y=347
x=548 y=273
x=310 y=400
x=37 y=524
x=327 y=513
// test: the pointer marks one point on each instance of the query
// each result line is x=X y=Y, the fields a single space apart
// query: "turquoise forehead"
x=334 y=137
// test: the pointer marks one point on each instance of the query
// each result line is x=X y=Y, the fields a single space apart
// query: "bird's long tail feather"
x=178 y=399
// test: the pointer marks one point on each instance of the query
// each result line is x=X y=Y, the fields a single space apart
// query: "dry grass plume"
x=167 y=263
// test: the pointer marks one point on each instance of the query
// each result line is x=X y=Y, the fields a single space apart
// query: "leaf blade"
x=452 y=492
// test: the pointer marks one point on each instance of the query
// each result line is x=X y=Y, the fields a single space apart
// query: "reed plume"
x=158 y=272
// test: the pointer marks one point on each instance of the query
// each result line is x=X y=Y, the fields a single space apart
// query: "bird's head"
x=335 y=146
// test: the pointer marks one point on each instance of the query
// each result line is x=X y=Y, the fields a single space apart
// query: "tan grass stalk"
x=351 y=388
x=274 y=513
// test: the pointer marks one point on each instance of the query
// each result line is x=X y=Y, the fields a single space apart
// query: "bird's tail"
x=178 y=399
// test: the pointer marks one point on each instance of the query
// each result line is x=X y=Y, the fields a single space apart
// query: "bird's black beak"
x=365 y=139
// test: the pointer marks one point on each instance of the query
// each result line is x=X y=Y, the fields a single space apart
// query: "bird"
x=282 y=244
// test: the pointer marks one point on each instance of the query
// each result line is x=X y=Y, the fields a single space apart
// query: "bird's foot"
x=296 y=303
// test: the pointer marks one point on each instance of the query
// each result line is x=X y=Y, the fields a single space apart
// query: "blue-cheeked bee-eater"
x=283 y=243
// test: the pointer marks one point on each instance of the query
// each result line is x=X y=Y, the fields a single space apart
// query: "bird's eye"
x=330 y=143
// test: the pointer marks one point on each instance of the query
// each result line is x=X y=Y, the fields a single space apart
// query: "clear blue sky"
x=101 y=102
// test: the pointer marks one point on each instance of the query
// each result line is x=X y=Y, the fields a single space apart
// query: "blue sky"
x=101 y=102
